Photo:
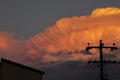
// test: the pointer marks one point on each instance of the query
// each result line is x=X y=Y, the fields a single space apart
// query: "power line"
x=101 y=47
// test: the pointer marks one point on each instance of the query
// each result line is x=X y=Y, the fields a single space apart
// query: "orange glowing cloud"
x=10 y=47
x=68 y=37
x=69 y=34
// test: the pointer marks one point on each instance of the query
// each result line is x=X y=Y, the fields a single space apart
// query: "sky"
x=28 y=17
x=51 y=35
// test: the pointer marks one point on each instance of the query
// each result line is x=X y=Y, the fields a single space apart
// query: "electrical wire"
x=90 y=71
x=114 y=41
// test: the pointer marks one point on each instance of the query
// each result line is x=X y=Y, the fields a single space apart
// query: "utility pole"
x=101 y=47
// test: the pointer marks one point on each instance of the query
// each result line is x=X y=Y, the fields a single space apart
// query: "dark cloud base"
x=76 y=70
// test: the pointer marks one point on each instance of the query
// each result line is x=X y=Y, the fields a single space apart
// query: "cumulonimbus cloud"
x=66 y=39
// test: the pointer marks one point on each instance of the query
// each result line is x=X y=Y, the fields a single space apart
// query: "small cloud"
x=85 y=52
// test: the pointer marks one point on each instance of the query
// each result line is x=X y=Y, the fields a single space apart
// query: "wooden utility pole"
x=101 y=47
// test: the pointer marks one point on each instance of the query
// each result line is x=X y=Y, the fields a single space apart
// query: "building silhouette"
x=13 y=71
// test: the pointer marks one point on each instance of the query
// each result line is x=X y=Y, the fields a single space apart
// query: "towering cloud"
x=70 y=35
x=66 y=40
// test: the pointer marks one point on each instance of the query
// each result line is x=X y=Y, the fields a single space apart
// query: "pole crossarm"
x=112 y=48
x=105 y=61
